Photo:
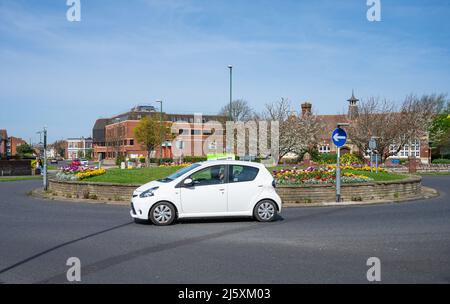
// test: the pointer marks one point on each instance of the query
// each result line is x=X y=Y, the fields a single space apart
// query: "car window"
x=180 y=173
x=242 y=173
x=210 y=176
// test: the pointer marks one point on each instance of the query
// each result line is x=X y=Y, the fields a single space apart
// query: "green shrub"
x=142 y=159
x=441 y=161
x=194 y=159
x=327 y=158
x=119 y=160
x=349 y=158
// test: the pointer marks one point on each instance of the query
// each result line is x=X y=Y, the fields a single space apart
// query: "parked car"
x=209 y=189
x=84 y=162
x=53 y=161
x=76 y=162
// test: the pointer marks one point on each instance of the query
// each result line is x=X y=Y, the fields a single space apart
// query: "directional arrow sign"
x=339 y=137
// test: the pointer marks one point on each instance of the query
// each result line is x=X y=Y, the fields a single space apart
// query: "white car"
x=209 y=189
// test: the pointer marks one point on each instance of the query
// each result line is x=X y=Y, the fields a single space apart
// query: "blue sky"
x=122 y=53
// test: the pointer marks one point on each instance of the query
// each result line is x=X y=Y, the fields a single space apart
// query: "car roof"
x=232 y=162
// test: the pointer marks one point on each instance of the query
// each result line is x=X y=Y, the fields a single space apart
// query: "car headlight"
x=148 y=193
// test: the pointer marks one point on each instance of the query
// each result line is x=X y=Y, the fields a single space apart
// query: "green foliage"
x=119 y=159
x=159 y=161
x=327 y=158
x=149 y=131
x=441 y=161
x=349 y=158
x=24 y=149
x=194 y=159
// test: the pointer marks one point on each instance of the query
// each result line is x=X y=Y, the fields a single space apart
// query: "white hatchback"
x=209 y=189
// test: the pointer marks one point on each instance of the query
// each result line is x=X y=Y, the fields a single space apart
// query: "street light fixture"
x=160 y=128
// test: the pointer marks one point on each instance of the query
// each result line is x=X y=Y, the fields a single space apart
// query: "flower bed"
x=74 y=173
x=326 y=175
x=182 y=165
x=355 y=167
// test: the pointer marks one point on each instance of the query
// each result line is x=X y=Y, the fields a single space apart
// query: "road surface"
x=306 y=245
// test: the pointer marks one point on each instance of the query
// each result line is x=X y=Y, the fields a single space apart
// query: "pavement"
x=305 y=245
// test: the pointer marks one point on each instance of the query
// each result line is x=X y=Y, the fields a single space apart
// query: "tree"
x=240 y=110
x=440 y=131
x=299 y=133
x=25 y=149
x=393 y=128
x=60 y=147
x=148 y=132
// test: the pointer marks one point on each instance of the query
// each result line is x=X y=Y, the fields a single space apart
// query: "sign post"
x=339 y=138
x=372 y=147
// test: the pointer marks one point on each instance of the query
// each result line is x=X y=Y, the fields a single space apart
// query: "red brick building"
x=418 y=148
x=113 y=137
x=13 y=144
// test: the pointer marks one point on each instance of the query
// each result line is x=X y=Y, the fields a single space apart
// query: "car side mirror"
x=188 y=182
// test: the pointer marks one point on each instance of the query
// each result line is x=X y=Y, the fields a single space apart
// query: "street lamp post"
x=160 y=128
x=231 y=92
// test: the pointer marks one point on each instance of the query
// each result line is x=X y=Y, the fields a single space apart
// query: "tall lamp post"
x=231 y=91
x=160 y=128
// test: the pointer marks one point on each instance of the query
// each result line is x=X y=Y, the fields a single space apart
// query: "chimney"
x=352 y=107
x=306 y=108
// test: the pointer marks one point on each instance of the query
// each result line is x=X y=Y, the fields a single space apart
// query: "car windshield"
x=179 y=173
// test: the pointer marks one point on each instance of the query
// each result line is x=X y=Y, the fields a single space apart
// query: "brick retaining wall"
x=407 y=188
x=105 y=192
x=15 y=167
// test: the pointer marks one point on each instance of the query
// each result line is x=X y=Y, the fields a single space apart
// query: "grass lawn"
x=380 y=176
x=18 y=178
x=133 y=176
x=432 y=173
x=145 y=175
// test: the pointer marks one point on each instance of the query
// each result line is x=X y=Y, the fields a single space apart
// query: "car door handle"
x=221 y=189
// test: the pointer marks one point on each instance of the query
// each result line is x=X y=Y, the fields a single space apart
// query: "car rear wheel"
x=162 y=214
x=265 y=211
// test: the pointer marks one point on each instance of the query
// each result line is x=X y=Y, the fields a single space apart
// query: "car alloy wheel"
x=162 y=214
x=265 y=211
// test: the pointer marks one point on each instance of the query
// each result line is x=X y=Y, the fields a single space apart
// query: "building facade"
x=3 y=143
x=13 y=144
x=78 y=148
x=417 y=148
x=114 y=137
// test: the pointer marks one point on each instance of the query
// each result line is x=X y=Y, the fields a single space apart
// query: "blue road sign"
x=339 y=137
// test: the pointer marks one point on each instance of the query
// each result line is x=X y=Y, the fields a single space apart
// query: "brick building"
x=3 y=142
x=113 y=137
x=13 y=144
x=418 y=148
x=78 y=148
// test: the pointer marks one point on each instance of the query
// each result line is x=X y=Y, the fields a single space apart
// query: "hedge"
x=441 y=161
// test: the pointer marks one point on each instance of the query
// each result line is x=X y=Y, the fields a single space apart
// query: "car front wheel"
x=162 y=214
x=265 y=211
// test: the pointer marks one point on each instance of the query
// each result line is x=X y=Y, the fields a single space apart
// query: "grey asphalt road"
x=306 y=245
